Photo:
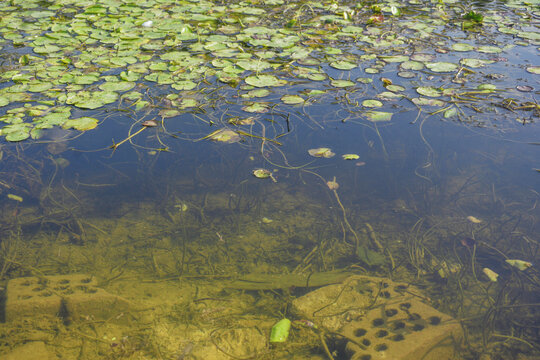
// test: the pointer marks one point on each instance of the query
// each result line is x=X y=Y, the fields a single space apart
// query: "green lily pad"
x=184 y=85
x=264 y=80
x=428 y=91
x=321 y=152
x=256 y=108
x=441 y=66
x=224 y=135
x=376 y=116
x=462 y=47
x=292 y=99
x=411 y=65
x=343 y=65
x=394 y=58
x=342 y=83
x=534 y=70
x=475 y=63
x=372 y=103
x=350 y=157
x=82 y=123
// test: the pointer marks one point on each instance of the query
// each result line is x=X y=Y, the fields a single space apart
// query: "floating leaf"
x=15 y=197
x=263 y=174
x=520 y=264
x=117 y=86
x=492 y=275
x=264 y=80
x=184 y=85
x=82 y=123
x=341 y=83
x=462 y=47
x=475 y=63
x=292 y=99
x=376 y=116
x=343 y=65
x=372 y=103
x=321 y=152
x=428 y=91
x=350 y=157
x=224 y=135
x=421 y=101
x=441 y=66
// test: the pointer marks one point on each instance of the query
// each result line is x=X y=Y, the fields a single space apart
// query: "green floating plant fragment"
x=462 y=47
x=3 y=101
x=83 y=123
x=475 y=63
x=184 y=85
x=428 y=91
x=376 y=116
x=534 y=70
x=441 y=66
x=256 y=108
x=372 y=103
x=264 y=80
x=292 y=99
x=342 y=83
x=117 y=86
x=343 y=65
x=350 y=157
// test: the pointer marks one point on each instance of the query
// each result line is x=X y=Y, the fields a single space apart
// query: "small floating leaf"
x=341 y=83
x=372 y=103
x=441 y=66
x=82 y=123
x=534 y=70
x=321 y=152
x=343 y=65
x=376 y=116
x=474 y=220
x=428 y=91
x=492 y=275
x=350 y=157
x=264 y=80
x=224 y=135
x=15 y=197
x=520 y=264
x=292 y=99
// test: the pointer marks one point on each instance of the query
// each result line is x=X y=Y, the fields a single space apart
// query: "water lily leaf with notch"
x=376 y=116
x=395 y=88
x=489 y=49
x=82 y=123
x=475 y=63
x=343 y=65
x=321 y=152
x=264 y=80
x=254 y=65
x=462 y=47
x=3 y=101
x=16 y=132
x=372 y=103
x=224 y=135
x=184 y=85
x=292 y=99
x=262 y=173
x=258 y=93
x=428 y=91
x=341 y=83
x=441 y=66
x=256 y=108
x=411 y=65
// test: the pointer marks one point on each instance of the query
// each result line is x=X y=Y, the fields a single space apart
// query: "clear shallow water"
x=165 y=229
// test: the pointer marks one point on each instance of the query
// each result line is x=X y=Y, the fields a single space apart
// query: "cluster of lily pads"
x=66 y=60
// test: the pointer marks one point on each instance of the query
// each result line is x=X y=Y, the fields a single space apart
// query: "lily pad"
x=534 y=70
x=82 y=123
x=377 y=116
x=341 y=83
x=350 y=157
x=321 y=152
x=428 y=91
x=372 y=103
x=441 y=66
x=343 y=65
x=264 y=80
x=292 y=99
x=224 y=135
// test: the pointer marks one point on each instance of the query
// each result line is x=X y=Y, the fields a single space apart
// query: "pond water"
x=178 y=176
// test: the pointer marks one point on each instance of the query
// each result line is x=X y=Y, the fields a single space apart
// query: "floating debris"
x=266 y=220
x=492 y=275
x=474 y=220
x=321 y=152
x=468 y=242
x=15 y=197
x=224 y=135
x=263 y=174
x=350 y=157
x=149 y=123
x=520 y=264
x=332 y=185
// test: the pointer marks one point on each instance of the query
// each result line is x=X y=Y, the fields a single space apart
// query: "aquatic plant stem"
x=345 y=215
x=114 y=146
